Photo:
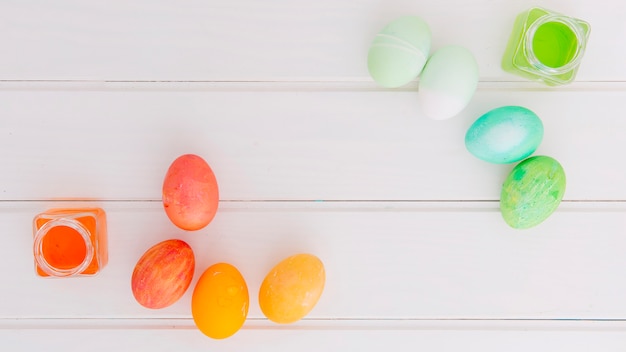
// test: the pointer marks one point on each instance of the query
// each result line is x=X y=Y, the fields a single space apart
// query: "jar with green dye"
x=546 y=46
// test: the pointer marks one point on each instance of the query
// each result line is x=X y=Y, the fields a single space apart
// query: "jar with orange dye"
x=70 y=242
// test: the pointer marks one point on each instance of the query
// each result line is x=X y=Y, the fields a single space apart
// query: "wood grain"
x=297 y=145
x=395 y=260
x=443 y=336
x=97 y=99
x=244 y=40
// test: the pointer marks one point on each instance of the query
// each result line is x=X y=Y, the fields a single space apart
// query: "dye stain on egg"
x=532 y=191
x=163 y=274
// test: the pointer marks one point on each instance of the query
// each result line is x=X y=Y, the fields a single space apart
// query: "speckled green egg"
x=532 y=192
x=399 y=52
x=505 y=135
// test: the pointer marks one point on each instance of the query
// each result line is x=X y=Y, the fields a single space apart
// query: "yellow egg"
x=292 y=288
x=220 y=301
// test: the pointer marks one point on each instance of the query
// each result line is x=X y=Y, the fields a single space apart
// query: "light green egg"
x=399 y=52
x=448 y=82
x=532 y=192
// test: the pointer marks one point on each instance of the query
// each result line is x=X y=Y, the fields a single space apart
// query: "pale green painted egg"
x=448 y=82
x=504 y=135
x=532 y=192
x=399 y=51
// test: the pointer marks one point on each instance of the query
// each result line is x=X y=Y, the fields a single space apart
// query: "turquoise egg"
x=532 y=192
x=399 y=52
x=504 y=135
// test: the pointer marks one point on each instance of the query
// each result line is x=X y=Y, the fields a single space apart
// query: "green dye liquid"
x=554 y=44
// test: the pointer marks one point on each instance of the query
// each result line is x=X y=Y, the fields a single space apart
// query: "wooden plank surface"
x=397 y=260
x=516 y=337
x=246 y=40
x=299 y=145
x=96 y=99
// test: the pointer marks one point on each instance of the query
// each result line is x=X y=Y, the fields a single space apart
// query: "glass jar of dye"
x=546 y=46
x=70 y=242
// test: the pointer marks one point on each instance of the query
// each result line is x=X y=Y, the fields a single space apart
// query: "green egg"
x=532 y=192
x=399 y=52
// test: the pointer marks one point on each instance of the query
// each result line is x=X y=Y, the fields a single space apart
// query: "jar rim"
x=572 y=25
x=38 y=247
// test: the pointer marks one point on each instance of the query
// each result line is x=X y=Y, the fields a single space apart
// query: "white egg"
x=448 y=82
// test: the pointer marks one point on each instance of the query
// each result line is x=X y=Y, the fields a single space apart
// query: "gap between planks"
x=323 y=205
x=323 y=324
x=296 y=85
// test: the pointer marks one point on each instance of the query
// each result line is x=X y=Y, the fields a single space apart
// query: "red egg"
x=190 y=193
x=163 y=274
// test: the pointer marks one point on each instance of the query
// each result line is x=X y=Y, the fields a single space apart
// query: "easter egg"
x=219 y=304
x=292 y=288
x=190 y=193
x=504 y=135
x=399 y=51
x=448 y=82
x=532 y=192
x=163 y=274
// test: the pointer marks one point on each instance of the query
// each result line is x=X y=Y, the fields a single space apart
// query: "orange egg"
x=219 y=304
x=292 y=288
x=190 y=193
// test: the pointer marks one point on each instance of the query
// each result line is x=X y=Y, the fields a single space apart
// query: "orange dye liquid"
x=64 y=248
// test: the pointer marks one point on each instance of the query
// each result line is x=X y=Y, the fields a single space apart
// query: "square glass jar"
x=546 y=46
x=70 y=242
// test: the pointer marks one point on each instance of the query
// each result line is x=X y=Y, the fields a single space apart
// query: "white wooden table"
x=97 y=98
